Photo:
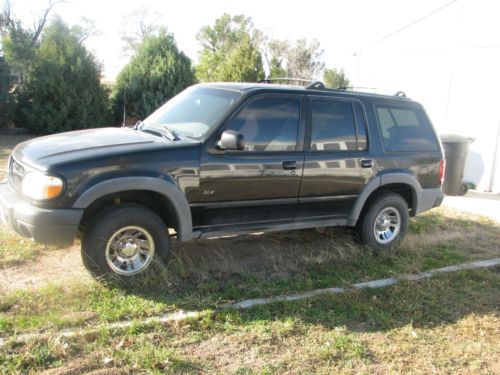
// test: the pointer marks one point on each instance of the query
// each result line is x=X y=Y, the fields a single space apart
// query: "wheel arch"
x=404 y=184
x=144 y=189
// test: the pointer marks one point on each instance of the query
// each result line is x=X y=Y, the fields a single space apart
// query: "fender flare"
x=167 y=189
x=386 y=179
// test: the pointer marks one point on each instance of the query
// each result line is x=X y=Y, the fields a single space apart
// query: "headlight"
x=39 y=186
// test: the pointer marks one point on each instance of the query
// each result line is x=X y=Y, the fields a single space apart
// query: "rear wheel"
x=123 y=240
x=384 y=223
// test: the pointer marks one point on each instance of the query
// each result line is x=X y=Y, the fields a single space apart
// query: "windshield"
x=193 y=112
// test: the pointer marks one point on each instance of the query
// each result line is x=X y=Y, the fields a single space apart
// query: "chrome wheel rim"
x=130 y=250
x=387 y=225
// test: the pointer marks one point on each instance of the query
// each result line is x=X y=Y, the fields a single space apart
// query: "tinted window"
x=333 y=127
x=268 y=124
x=404 y=130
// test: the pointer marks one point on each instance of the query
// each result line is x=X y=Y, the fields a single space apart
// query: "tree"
x=302 y=60
x=62 y=91
x=6 y=100
x=335 y=78
x=19 y=43
x=137 y=26
x=230 y=51
x=157 y=72
x=17 y=52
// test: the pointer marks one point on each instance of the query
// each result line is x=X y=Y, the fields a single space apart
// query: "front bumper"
x=46 y=226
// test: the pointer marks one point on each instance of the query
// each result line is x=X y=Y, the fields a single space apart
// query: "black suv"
x=227 y=158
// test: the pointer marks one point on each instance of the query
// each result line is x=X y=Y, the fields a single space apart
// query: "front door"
x=259 y=184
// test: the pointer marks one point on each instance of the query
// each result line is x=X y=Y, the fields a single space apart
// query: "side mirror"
x=231 y=140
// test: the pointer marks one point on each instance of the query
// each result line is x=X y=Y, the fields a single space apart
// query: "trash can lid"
x=454 y=138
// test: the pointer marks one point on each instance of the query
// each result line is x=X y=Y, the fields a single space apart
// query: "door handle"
x=366 y=163
x=287 y=165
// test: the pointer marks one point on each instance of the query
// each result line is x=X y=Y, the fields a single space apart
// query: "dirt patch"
x=80 y=366
x=55 y=265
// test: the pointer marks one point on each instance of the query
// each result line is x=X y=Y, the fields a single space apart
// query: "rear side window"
x=332 y=127
x=268 y=124
x=403 y=129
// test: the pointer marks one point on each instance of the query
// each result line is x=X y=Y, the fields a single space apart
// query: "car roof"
x=244 y=87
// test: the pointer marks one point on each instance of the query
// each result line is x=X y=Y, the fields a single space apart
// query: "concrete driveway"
x=486 y=204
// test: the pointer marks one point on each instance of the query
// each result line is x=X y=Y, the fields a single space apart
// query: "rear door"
x=409 y=141
x=337 y=165
x=261 y=183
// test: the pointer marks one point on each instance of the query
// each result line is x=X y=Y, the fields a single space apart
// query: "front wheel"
x=123 y=240
x=384 y=223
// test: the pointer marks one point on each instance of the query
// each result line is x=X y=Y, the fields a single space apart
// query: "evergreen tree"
x=157 y=72
x=62 y=90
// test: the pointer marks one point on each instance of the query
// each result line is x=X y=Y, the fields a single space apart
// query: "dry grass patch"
x=445 y=325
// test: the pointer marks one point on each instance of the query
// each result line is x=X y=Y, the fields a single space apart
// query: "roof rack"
x=318 y=85
x=312 y=84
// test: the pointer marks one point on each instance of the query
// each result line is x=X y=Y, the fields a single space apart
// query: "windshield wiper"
x=170 y=133
x=161 y=131
x=138 y=125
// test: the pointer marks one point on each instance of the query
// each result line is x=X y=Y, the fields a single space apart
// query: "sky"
x=449 y=61
x=343 y=27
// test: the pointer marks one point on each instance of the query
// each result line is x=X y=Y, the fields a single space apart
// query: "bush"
x=6 y=100
x=62 y=91
x=157 y=72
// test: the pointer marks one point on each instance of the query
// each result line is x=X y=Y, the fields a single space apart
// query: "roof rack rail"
x=312 y=84
x=316 y=85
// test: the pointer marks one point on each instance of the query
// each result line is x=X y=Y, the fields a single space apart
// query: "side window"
x=403 y=129
x=333 y=127
x=268 y=124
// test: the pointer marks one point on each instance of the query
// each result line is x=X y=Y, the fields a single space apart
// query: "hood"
x=83 y=144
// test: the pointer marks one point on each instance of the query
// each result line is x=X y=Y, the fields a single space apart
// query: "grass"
x=448 y=324
x=15 y=250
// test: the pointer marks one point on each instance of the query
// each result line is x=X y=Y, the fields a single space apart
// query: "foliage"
x=6 y=102
x=230 y=51
x=19 y=43
x=302 y=60
x=335 y=78
x=62 y=91
x=137 y=26
x=157 y=72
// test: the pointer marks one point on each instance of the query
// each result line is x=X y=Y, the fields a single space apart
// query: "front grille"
x=16 y=173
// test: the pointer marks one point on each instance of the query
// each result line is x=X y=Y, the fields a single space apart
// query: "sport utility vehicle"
x=227 y=158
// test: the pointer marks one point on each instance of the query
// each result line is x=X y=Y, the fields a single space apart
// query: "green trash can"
x=455 y=149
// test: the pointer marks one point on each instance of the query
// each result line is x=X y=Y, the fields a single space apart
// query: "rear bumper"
x=47 y=226
x=430 y=198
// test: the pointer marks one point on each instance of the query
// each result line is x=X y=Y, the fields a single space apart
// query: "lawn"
x=448 y=324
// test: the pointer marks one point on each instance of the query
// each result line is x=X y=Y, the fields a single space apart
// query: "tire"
x=123 y=240
x=391 y=212
x=464 y=188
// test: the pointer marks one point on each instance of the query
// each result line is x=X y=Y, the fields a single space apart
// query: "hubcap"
x=130 y=250
x=387 y=225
